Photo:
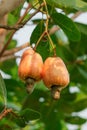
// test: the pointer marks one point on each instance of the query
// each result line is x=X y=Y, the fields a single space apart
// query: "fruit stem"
x=30 y=85
x=39 y=40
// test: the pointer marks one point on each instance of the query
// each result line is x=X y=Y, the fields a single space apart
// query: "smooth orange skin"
x=31 y=65
x=55 y=73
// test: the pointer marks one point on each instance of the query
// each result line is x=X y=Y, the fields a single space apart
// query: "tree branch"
x=10 y=38
x=14 y=50
x=33 y=14
x=8 y=57
x=16 y=27
x=5 y=112
x=23 y=23
x=7 y=6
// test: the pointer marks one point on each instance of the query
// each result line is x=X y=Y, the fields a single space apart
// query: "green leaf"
x=80 y=105
x=25 y=116
x=14 y=15
x=39 y=29
x=82 y=28
x=13 y=44
x=35 y=3
x=43 y=46
x=29 y=115
x=10 y=67
x=83 y=72
x=16 y=91
x=75 y=4
x=3 y=92
x=20 y=121
x=67 y=25
x=79 y=48
x=83 y=87
x=40 y=85
x=63 y=50
x=78 y=73
x=11 y=19
x=75 y=120
x=43 y=49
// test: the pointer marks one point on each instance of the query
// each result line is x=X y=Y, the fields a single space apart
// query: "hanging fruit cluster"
x=53 y=72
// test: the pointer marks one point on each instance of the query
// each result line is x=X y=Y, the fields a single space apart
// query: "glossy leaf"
x=13 y=44
x=20 y=121
x=43 y=46
x=76 y=4
x=29 y=115
x=75 y=120
x=67 y=25
x=24 y=117
x=82 y=28
x=39 y=29
x=3 y=91
x=80 y=105
x=83 y=88
x=83 y=72
x=33 y=2
x=9 y=67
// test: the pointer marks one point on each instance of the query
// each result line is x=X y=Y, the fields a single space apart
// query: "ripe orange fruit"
x=55 y=75
x=30 y=67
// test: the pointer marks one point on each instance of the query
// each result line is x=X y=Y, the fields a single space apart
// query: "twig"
x=33 y=14
x=16 y=27
x=5 y=112
x=2 y=59
x=9 y=54
x=47 y=14
x=76 y=15
x=51 y=42
x=46 y=29
x=39 y=40
x=20 y=20
x=14 y=50
x=9 y=40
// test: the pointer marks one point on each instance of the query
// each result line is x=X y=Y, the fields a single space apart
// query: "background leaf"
x=67 y=25
x=39 y=29
x=75 y=120
x=3 y=92
x=29 y=115
x=76 y=4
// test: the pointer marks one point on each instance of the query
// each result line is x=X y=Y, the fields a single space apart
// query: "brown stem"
x=16 y=27
x=5 y=112
x=9 y=40
x=76 y=15
x=14 y=50
x=51 y=42
x=19 y=22
x=33 y=14
x=39 y=40
x=2 y=59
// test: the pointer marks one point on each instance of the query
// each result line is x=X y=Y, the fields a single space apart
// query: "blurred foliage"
x=38 y=110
